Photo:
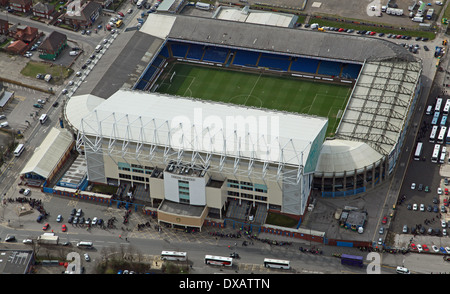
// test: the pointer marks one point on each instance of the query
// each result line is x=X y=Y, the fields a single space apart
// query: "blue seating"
x=195 y=52
x=329 y=68
x=215 y=54
x=179 y=49
x=148 y=75
x=141 y=85
x=158 y=61
x=272 y=61
x=164 y=51
x=350 y=71
x=305 y=65
x=246 y=58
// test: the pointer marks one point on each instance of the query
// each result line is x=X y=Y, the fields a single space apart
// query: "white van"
x=73 y=53
x=43 y=118
x=429 y=109
x=4 y=124
x=402 y=270
x=98 y=48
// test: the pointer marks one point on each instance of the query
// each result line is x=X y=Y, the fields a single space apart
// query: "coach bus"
x=435 y=156
x=218 y=260
x=354 y=260
x=433 y=134
x=435 y=118
x=442 y=135
x=443 y=154
x=277 y=263
x=174 y=255
x=437 y=107
x=19 y=149
x=444 y=120
x=418 y=152
x=446 y=107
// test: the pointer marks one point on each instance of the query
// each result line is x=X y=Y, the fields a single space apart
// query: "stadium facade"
x=192 y=161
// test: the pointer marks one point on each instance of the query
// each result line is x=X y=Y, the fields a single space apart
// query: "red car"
x=341 y=30
x=425 y=248
x=384 y=220
x=372 y=33
x=399 y=36
x=446 y=191
x=45 y=227
x=413 y=246
x=64 y=228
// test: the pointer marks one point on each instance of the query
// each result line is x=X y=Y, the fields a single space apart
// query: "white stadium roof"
x=201 y=126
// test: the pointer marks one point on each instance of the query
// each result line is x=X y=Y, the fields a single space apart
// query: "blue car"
x=442 y=249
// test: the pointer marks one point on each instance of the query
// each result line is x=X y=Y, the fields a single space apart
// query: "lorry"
x=48 y=239
x=47 y=77
x=430 y=13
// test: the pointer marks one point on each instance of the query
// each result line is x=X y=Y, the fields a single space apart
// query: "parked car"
x=439 y=191
x=45 y=227
x=59 y=218
x=10 y=238
x=86 y=257
x=405 y=229
x=37 y=105
x=435 y=248
x=26 y=192
x=413 y=186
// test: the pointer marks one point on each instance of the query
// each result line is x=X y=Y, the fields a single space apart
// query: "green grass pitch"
x=258 y=90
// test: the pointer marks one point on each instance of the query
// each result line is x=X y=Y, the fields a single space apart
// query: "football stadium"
x=224 y=119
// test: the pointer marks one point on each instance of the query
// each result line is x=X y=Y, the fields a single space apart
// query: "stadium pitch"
x=257 y=90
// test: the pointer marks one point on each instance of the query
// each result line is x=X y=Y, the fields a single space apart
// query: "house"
x=82 y=17
x=17 y=47
x=52 y=46
x=21 y=5
x=4 y=27
x=26 y=34
x=44 y=10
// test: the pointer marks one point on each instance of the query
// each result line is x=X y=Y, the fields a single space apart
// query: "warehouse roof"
x=48 y=155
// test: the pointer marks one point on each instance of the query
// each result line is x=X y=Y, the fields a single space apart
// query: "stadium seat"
x=195 y=52
x=273 y=61
x=350 y=71
x=215 y=54
x=179 y=49
x=246 y=58
x=305 y=65
x=330 y=68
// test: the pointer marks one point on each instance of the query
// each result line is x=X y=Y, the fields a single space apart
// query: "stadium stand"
x=305 y=65
x=246 y=58
x=350 y=71
x=273 y=61
x=179 y=49
x=329 y=68
x=195 y=52
x=164 y=52
x=215 y=54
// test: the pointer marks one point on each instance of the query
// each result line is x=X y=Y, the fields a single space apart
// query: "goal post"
x=172 y=76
